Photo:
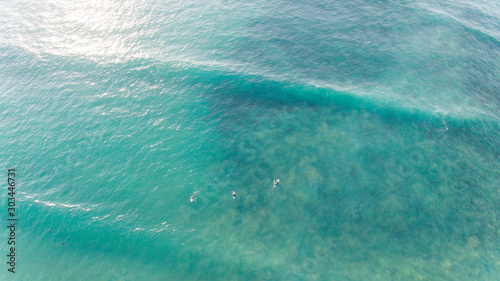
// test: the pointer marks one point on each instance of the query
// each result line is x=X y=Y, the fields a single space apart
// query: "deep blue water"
x=380 y=118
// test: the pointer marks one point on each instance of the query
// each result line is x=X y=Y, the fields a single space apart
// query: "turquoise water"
x=380 y=118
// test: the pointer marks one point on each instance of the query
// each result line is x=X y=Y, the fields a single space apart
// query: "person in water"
x=276 y=182
x=192 y=196
x=234 y=195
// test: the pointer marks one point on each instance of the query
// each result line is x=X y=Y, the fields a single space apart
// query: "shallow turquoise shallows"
x=380 y=118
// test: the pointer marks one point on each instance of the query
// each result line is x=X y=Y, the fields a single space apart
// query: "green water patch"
x=362 y=196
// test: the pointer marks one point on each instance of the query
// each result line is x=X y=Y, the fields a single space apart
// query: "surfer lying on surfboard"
x=276 y=182
x=192 y=196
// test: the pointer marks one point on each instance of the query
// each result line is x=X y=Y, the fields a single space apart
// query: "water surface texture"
x=380 y=118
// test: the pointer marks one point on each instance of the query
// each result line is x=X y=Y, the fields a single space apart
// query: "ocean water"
x=380 y=118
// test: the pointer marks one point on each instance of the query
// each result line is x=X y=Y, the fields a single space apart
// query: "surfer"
x=192 y=196
x=276 y=182
x=234 y=195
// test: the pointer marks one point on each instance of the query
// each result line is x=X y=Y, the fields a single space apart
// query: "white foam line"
x=71 y=206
